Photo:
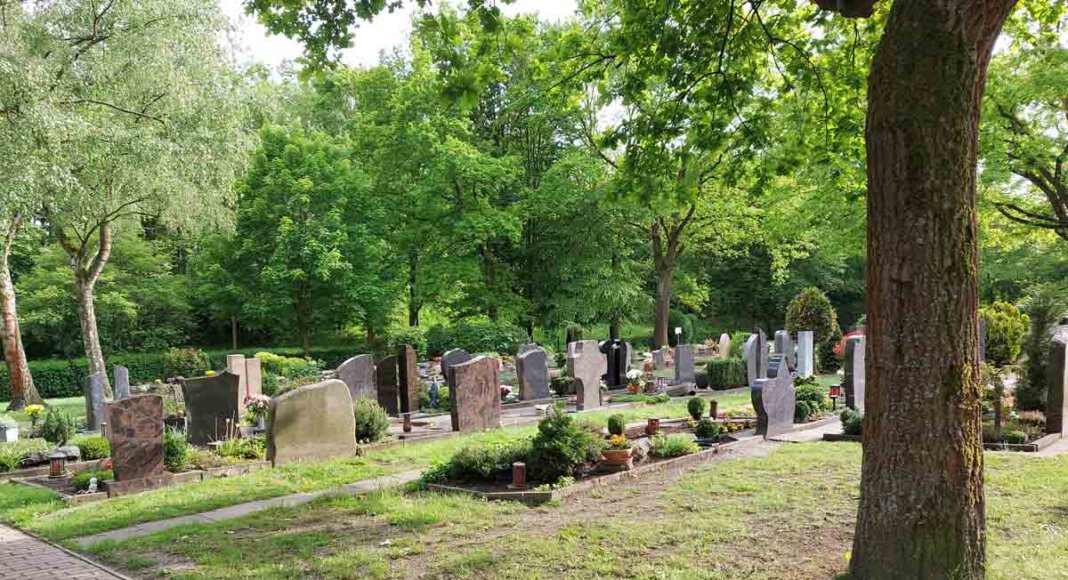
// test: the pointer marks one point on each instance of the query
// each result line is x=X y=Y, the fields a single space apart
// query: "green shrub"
x=498 y=337
x=243 y=448
x=727 y=374
x=561 y=448
x=12 y=454
x=414 y=336
x=371 y=420
x=811 y=310
x=616 y=424
x=737 y=350
x=290 y=367
x=642 y=398
x=562 y=385
x=696 y=407
x=675 y=445
x=1016 y=437
x=707 y=429
x=852 y=422
x=490 y=462
x=1045 y=304
x=1005 y=330
x=92 y=446
x=443 y=400
x=57 y=427
x=80 y=481
x=174 y=450
x=185 y=362
x=810 y=399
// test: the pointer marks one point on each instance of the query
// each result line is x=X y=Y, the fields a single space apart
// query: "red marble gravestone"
x=135 y=429
x=475 y=395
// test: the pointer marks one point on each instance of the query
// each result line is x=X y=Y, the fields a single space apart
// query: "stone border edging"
x=1032 y=447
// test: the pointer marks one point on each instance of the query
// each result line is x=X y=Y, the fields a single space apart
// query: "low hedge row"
x=64 y=378
x=727 y=374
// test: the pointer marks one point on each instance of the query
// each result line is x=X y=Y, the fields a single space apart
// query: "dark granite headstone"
x=122 y=382
x=615 y=352
x=135 y=429
x=684 y=364
x=1057 y=372
x=774 y=402
x=94 y=401
x=853 y=377
x=408 y=379
x=211 y=407
x=584 y=363
x=358 y=374
x=476 y=397
x=311 y=423
x=386 y=375
x=533 y=369
x=784 y=345
x=777 y=364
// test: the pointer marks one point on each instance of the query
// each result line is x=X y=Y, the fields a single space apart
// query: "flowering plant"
x=257 y=405
x=618 y=442
x=34 y=411
x=209 y=373
x=634 y=381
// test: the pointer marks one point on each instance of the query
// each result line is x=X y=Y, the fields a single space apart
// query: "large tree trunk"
x=414 y=305
x=23 y=391
x=921 y=507
x=662 y=307
x=86 y=273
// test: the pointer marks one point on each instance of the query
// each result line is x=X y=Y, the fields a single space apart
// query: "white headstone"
x=806 y=362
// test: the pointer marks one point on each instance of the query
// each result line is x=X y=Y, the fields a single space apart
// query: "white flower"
x=634 y=374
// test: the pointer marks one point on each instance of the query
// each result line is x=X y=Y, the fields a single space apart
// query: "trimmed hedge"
x=727 y=374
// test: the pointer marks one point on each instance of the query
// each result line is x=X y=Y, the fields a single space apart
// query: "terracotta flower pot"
x=616 y=457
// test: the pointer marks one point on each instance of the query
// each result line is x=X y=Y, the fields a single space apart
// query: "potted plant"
x=34 y=411
x=257 y=406
x=707 y=432
x=696 y=407
x=618 y=451
x=634 y=381
x=9 y=429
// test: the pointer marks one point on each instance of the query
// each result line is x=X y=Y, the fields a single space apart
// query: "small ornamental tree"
x=812 y=310
x=1005 y=330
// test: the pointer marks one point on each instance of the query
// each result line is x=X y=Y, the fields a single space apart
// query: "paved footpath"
x=24 y=556
x=244 y=509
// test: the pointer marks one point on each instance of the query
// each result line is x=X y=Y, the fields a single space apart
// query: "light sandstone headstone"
x=584 y=365
x=774 y=402
x=853 y=379
x=784 y=345
x=135 y=430
x=311 y=423
x=684 y=364
x=724 y=346
x=122 y=382
x=1057 y=371
x=253 y=377
x=533 y=369
x=806 y=359
x=476 y=396
x=752 y=354
x=358 y=374
x=408 y=379
x=527 y=347
x=211 y=407
x=94 y=401
x=235 y=365
x=659 y=360
x=386 y=376
x=629 y=363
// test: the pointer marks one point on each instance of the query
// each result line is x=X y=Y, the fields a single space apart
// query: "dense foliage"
x=371 y=420
x=1005 y=330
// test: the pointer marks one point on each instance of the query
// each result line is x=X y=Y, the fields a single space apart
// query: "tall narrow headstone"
x=628 y=361
x=615 y=352
x=659 y=360
x=756 y=358
x=584 y=365
x=853 y=379
x=122 y=382
x=684 y=364
x=211 y=407
x=235 y=365
x=408 y=379
x=135 y=430
x=724 y=346
x=358 y=374
x=94 y=401
x=450 y=359
x=386 y=375
x=774 y=401
x=784 y=345
x=1057 y=372
x=777 y=364
x=253 y=377
x=533 y=369
x=806 y=360
x=311 y=423
x=476 y=395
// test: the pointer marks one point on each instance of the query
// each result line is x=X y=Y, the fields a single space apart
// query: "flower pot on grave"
x=652 y=427
x=616 y=457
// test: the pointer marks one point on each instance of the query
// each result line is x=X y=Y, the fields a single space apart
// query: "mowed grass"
x=787 y=515
x=73 y=406
x=41 y=513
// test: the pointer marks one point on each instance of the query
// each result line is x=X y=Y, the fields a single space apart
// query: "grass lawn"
x=785 y=515
x=74 y=406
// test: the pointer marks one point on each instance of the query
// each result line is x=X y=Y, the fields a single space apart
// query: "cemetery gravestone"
x=311 y=423
x=211 y=407
x=755 y=358
x=408 y=379
x=806 y=363
x=777 y=364
x=584 y=365
x=784 y=345
x=615 y=352
x=135 y=430
x=475 y=396
x=724 y=346
x=774 y=402
x=386 y=375
x=684 y=364
x=525 y=348
x=1057 y=396
x=533 y=369
x=659 y=362
x=94 y=401
x=253 y=377
x=853 y=379
x=235 y=365
x=358 y=374
x=629 y=360
x=122 y=382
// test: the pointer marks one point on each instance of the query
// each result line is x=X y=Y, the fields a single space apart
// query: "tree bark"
x=23 y=391
x=414 y=305
x=662 y=306
x=667 y=247
x=86 y=273
x=921 y=511
x=233 y=333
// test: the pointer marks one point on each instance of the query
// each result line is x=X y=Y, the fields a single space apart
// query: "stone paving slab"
x=24 y=556
x=244 y=509
x=833 y=425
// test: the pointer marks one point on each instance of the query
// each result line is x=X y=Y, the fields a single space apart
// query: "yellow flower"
x=34 y=409
x=209 y=373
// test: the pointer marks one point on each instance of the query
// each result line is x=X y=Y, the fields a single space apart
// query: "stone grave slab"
x=724 y=345
x=211 y=407
x=684 y=364
x=806 y=359
x=533 y=369
x=476 y=396
x=122 y=382
x=135 y=430
x=1057 y=373
x=388 y=392
x=853 y=379
x=774 y=401
x=253 y=377
x=311 y=423
x=94 y=401
x=408 y=381
x=784 y=345
x=584 y=362
x=235 y=365
x=358 y=374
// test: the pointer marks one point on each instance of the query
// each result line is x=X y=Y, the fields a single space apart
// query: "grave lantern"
x=652 y=427
x=407 y=422
x=835 y=392
x=519 y=475
x=57 y=465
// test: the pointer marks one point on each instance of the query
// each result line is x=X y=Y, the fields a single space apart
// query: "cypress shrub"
x=727 y=374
